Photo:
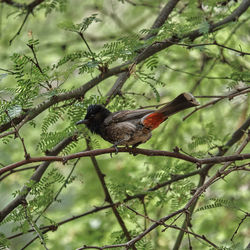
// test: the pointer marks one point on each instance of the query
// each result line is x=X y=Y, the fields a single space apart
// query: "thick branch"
x=14 y=4
x=197 y=194
x=35 y=177
x=147 y=152
x=77 y=93
x=108 y=197
x=29 y=6
x=237 y=135
x=160 y=20
x=163 y=16
x=147 y=52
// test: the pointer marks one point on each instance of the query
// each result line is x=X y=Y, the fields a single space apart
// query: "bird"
x=132 y=127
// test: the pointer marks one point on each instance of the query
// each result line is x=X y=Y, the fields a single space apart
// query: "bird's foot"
x=133 y=149
x=116 y=150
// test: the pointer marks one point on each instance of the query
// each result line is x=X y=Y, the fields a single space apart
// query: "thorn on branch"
x=127 y=195
x=103 y=68
x=27 y=156
x=192 y=191
x=198 y=165
x=53 y=228
x=24 y=202
x=64 y=160
x=176 y=150
x=47 y=152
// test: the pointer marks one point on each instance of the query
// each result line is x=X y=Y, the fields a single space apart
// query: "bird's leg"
x=134 y=147
x=115 y=146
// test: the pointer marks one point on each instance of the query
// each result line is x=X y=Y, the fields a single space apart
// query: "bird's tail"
x=181 y=102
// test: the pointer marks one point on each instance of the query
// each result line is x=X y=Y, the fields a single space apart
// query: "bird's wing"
x=126 y=115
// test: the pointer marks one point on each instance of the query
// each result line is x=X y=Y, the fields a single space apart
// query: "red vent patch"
x=153 y=120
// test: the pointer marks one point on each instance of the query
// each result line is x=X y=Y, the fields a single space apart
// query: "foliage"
x=70 y=55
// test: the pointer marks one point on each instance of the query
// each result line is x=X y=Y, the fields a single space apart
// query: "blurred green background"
x=158 y=79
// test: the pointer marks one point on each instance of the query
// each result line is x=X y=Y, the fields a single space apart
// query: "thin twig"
x=108 y=197
x=21 y=27
x=198 y=75
x=37 y=64
x=237 y=229
x=7 y=70
x=33 y=224
x=84 y=40
x=230 y=96
x=26 y=155
x=189 y=46
x=29 y=9
x=60 y=189
x=17 y=170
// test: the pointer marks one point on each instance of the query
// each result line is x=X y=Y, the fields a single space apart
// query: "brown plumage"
x=132 y=127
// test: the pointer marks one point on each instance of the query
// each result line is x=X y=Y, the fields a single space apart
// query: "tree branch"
x=163 y=16
x=14 y=4
x=29 y=9
x=147 y=52
x=237 y=135
x=189 y=46
x=160 y=20
x=237 y=229
x=147 y=152
x=17 y=170
x=108 y=198
x=35 y=177
x=230 y=96
x=172 y=226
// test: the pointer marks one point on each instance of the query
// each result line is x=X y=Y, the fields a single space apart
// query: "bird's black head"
x=94 y=118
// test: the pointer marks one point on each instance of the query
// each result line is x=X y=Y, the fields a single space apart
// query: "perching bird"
x=132 y=127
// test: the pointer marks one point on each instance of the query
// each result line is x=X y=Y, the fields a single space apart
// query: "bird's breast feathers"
x=126 y=133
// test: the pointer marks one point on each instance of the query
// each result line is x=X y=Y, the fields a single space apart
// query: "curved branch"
x=14 y=4
x=35 y=177
x=160 y=20
x=230 y=96
x=18 y=170
x=147 y=52
x=197 y=194
x=77 y=93
x=135 y=151
x=189 y=46
x=29 y=9
x=108 y=197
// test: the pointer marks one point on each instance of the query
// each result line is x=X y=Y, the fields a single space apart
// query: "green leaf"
x=204 y=27
x=15 y=111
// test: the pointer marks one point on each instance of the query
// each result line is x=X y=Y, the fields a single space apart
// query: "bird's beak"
x=85 y=121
